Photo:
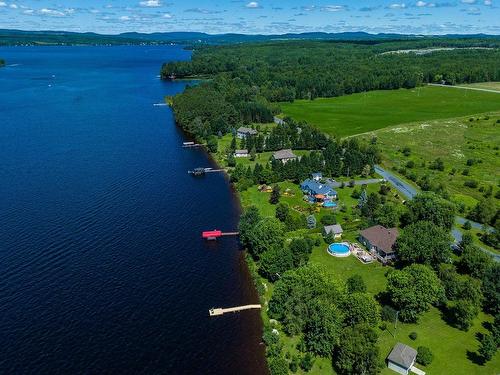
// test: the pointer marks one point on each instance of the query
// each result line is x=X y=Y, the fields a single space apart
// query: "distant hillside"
x=19 y=37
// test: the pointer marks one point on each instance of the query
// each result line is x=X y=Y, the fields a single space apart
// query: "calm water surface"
x=102 y=269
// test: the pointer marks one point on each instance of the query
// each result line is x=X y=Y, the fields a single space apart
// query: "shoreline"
x=246 y=264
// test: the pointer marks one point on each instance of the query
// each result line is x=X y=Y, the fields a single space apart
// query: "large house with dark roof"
x=380 y=241
x=243 y=132
x=284 y=156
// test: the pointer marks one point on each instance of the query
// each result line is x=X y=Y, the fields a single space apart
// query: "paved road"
x=465 y=88
x=409 y=192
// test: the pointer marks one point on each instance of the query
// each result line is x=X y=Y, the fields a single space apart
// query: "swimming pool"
x=340 y=249
x=329 y=204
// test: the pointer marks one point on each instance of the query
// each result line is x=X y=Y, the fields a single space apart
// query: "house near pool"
x=335 y=230
x=284 y=156
x=315 y=188
x=402 y=360
x=243 y=132
x=380 y=242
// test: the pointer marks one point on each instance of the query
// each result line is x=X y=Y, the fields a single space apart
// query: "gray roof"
x=333 y=229
x=248 y=131
x=284 y=154
x=241 y=151
x=403 y=355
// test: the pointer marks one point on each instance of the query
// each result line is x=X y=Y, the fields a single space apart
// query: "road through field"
x=464 y=88
x=409 y=192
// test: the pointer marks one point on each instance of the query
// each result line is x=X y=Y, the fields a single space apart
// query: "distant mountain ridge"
x=17 y=37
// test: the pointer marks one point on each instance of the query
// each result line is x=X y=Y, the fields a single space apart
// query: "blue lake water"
x=102 y=268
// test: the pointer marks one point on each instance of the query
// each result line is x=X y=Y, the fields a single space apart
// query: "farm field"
x=485 y=85
x=468 y=147
x=360 y=113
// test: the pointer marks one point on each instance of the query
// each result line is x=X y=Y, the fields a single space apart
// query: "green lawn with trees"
x=365 y=112
x=458 y=158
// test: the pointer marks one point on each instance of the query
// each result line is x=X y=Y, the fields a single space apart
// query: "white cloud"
x=2 y=4
x=125 y=18
x=253 y=5
x=13 y=6
x=150 y=3
x=488 y=2
x=333 y=8
x=51 y=12
x=167 y=15
x=421 y=3
x=398 y=6
x=468 y=1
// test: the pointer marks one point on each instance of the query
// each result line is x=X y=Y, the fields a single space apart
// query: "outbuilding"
x=402 y=359
x=241 y=153
x=335 y=230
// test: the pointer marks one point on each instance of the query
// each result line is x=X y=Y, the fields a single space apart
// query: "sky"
x=254 y=17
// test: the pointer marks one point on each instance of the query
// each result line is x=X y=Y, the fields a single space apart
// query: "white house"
x=243 y=132
x=284 y=155
x=241 y=153
x=336 y=230
x=402 y=359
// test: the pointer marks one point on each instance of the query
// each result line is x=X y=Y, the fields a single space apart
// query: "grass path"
x=475 y=88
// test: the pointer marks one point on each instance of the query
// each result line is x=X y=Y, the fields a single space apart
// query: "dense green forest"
x=2 y=62
x=249 y=79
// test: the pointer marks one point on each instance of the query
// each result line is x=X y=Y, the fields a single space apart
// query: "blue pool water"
x=102 y=265
x=329 y=204
x=338 y=249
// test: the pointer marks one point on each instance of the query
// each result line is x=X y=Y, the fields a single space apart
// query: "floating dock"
x=202 y=171
x=191 y=144
x=220 y=311
x=160 y=104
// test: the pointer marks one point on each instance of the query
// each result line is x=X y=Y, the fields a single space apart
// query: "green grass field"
x=455 y=141
x=360 y=113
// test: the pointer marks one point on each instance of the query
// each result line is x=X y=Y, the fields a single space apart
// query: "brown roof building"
x=380 y=240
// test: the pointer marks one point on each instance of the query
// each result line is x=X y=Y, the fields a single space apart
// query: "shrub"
x=413 y=336
x=406 y=151
x=388 y=314
x=307 y=362
x=471 y=184
x=467 y=225
x=424 y=355
x=410 y=164
x=328 y=219
x=465 y=172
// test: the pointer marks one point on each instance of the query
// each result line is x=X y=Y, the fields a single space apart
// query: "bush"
x=356 y=284
x=410 y=164
x=471 y=184
x=424 y=355
x=467 y=225
x=406 y=151
x=388 y=313
x=328 y=219
x=413 y=336
x=307 y=362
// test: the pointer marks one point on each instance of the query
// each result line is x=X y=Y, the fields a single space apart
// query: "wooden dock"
x=220 y=311
x=202 y=171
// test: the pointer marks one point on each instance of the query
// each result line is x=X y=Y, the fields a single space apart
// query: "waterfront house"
x=241 y=153
x=380 y=242
x=402 y=359
x=284 y=155
x=243 y=132
x=335 y=230
x=315 y=188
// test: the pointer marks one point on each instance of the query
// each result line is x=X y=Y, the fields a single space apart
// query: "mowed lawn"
x=360 y=113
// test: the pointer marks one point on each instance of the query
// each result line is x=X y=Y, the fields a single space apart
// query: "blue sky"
x=259 y=16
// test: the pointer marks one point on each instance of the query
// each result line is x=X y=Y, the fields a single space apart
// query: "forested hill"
x=250 y=78
x=2 y=62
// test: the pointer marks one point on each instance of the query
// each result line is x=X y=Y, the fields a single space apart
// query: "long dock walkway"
x=220 y=311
